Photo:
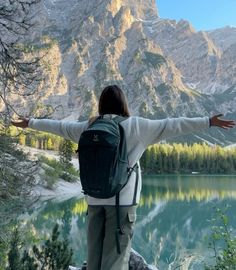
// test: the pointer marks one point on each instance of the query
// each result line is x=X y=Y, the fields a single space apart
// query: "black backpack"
x=103 y=160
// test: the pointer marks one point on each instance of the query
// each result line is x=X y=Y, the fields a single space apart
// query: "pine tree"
x=175 y=159
x=158 y=160
x=28 y=263
x=49 y=144
x=152 y=160
x=14 y=253
x=32 y=142
x=66 y=152
x=54 y=254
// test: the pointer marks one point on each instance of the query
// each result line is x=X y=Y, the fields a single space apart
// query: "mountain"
x=203 y=58
x=166 y=68
x=223 y=37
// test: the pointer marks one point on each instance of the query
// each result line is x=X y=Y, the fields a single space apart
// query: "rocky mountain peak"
x=144 y=9
x=185 y=26
x=223 y=37
x=139 y=8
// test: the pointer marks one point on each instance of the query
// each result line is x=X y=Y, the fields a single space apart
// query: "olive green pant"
x=102 y=248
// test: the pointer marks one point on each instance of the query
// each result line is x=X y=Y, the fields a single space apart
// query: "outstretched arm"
x=153 y=131
x=67 y=129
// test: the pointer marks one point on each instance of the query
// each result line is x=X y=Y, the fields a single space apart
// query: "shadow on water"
x=172 y=219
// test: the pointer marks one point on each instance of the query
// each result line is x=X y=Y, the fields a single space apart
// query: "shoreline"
x=62 y=189
x=187 y=174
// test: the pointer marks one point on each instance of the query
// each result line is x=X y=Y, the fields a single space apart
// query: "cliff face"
x=204 y=58
x=165 y=67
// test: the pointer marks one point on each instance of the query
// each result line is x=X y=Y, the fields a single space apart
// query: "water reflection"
x=171 y=219
x=186 y=188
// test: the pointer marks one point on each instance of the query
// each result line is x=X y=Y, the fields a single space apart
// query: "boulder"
x=136 y=262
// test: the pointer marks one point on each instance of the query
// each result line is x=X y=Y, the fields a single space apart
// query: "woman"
x=139 y=134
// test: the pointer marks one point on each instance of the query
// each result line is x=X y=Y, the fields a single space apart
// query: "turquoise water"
x=172 y=224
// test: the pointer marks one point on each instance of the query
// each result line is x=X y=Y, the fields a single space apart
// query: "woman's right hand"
x=21 y=123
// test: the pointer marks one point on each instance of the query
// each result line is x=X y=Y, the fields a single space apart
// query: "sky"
x=202 y=14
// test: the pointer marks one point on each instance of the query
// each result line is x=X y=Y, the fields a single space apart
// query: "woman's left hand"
x=225 y=124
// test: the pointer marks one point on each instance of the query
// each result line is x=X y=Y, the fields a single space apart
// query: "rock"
x=136 y=262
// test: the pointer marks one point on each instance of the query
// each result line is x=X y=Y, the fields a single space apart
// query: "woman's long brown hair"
x=113 y=101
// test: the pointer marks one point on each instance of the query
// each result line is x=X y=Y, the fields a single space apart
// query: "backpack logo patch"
x=95 y=138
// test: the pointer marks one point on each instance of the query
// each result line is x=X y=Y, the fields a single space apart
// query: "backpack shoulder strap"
x=118 y=119
x=93 y=119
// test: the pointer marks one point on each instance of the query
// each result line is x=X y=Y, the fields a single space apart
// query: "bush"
x=51 y=177
x=222 y=242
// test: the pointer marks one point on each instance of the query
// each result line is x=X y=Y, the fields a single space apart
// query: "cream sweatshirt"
x=140 y=133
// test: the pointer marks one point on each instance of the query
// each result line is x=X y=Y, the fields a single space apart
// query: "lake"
x=172 y=226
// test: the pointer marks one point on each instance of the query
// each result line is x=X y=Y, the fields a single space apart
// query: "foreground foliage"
x=54 y=254
x=16 y=171
x=223 y=243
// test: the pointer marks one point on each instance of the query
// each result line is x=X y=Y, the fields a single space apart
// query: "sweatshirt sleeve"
x=70 y=130
x=152 y=131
